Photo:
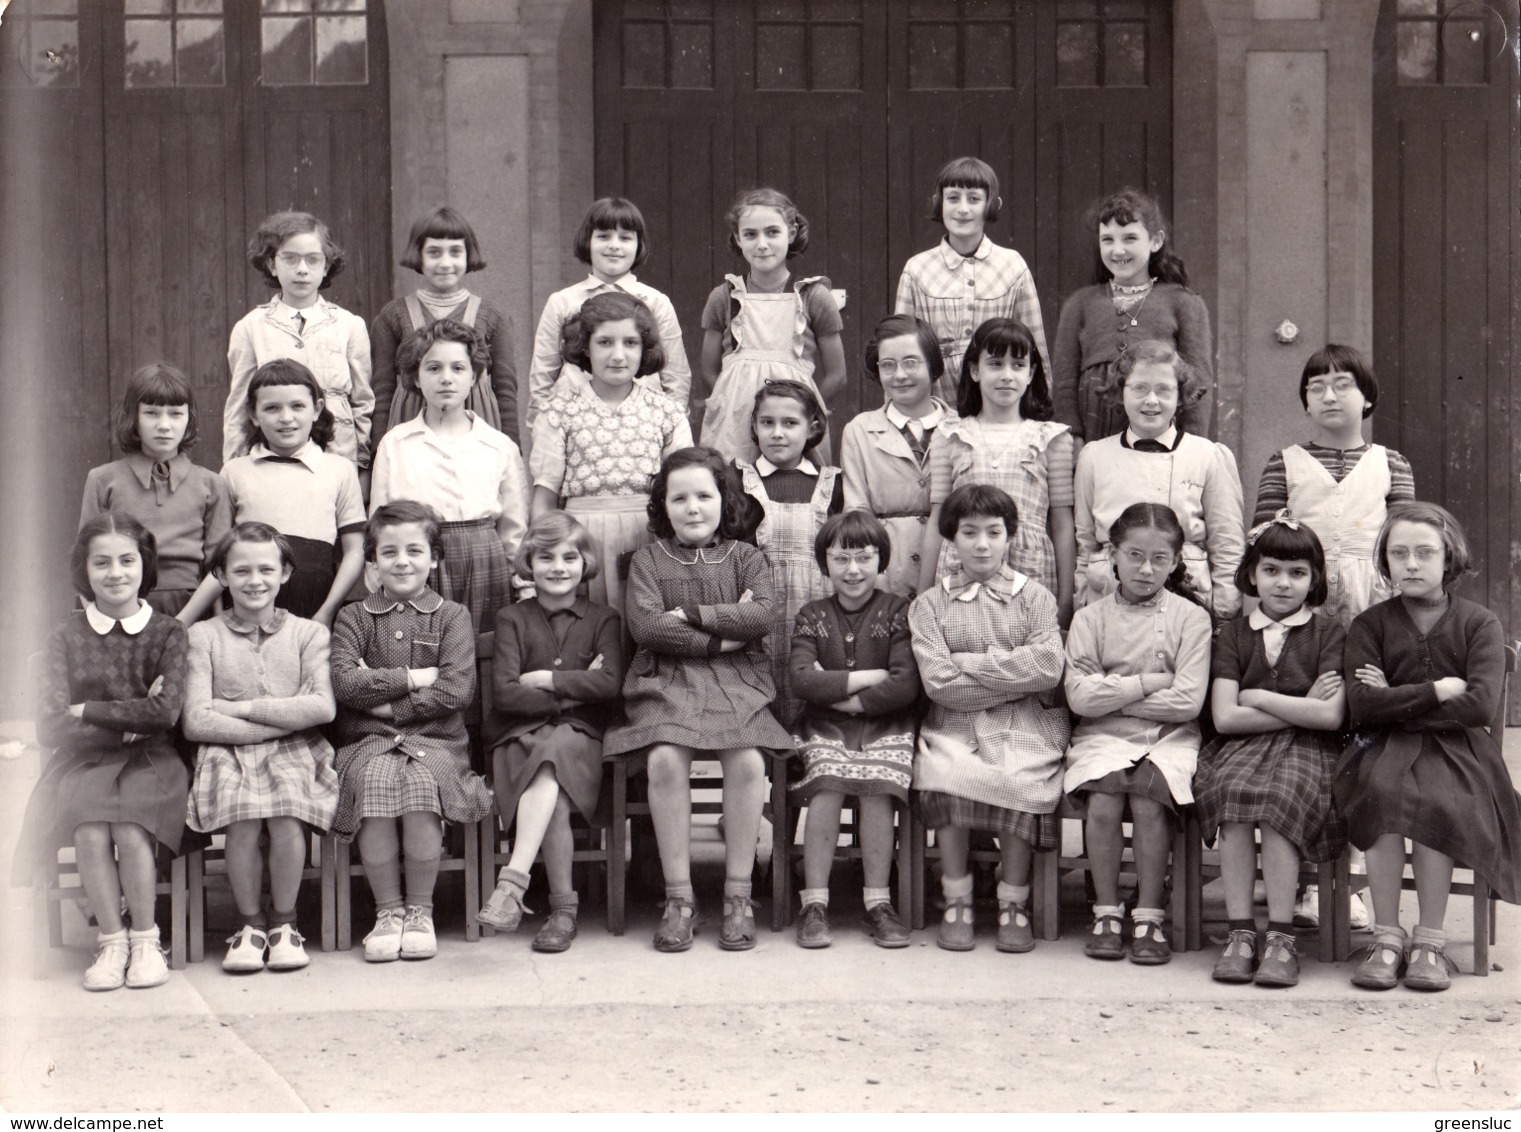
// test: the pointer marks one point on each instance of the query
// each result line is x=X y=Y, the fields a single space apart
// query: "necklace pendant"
x=1133 y=322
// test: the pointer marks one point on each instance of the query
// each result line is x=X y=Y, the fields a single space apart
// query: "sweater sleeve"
x=1092 y=692
x=57 y=727
x=1059 y=470
x=1225 y=533
x=385 y=339
x=509 y=696
x=817 y=686
x=1272 y=489
x=901 y=688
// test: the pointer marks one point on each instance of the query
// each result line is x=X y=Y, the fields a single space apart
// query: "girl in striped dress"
x=603 y=432
x=257 y=690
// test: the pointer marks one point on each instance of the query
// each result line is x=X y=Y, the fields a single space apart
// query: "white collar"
x=132 y=626
x=765 y=467
x=898 y=418
x=953 y=258
x=1166 y=440
x=623 y=283
x=309 y=315
x=1259 y=620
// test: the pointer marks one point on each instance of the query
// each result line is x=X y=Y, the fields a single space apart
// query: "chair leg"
x=905 y=852
x=52 y=900
x=342 y=894
x=488 y=857
x=1325 y=879
x=196 y=889
x=916 y=836
x=781 y=858
x=1341 y=923
x=178 y=920
x=1045 y=892
x=475 y=833
x=323 y=848
x=1482 y=925
x=617 y=849
x=1182 y=927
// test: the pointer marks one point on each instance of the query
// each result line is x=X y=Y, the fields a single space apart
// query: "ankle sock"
x=871 y=897
x=1280 y=927
x=568 y=901
x=814 y=896
x=513 y=879
x=260 y=921
x=957 y=890
x=1013 y=894
x=737 y=888
x=150 y=932
x=1117 y=910
x=1390 y=935
x=111 y=937
x=1436 y=937
x=682 y=891
x=1243 y=925
x=280 y=919
x=1149 y=915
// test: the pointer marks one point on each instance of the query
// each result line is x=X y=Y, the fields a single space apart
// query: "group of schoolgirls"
x=898 y=621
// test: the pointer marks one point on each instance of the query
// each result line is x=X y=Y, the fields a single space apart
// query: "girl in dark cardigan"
x=555 y=676
x=1424 y=671
x=852 y=664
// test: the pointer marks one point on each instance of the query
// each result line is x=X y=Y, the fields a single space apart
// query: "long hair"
x=731 y=516
x=1004 y=337
x=1132 y=206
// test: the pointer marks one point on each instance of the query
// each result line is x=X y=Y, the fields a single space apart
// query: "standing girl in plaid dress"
x=700 y=610
x=1278 y=706
x=449 y=459
x=602 y=434
x=968 y=279
x=766 y=325
x=990 y=751
x=1005 y=438
x=1137 y=671
x=258 y=689
x=403 y=673
x=789 y=500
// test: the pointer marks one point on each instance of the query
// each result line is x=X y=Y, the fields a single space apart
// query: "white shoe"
x=418 y=940
x=109 y=971
x=1359 y=920
x=245 y=950
x=1307 y=911
x=383 y=944
x=146 y=967
x=286 y=949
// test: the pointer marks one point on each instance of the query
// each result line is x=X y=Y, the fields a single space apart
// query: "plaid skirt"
x=289 y=777
x=385 y=778
x=938 y=810
x=474 y=570
x=1280 y=780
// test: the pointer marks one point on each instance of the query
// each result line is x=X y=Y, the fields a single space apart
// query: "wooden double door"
x=851 y=106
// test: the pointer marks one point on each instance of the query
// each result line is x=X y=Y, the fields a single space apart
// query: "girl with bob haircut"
x=443 y=249
x=555 y=678
x=1424 y=672
x=936 y=283
x=613 y=243
x=155 y=481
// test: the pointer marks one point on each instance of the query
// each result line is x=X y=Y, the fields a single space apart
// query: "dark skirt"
x=474 y=570
x=1142 y=779
x=575 y=756
x=312 y=579
x=938 y=810
x=1280 y=780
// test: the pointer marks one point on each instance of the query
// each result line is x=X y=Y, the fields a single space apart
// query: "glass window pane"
x=836 y=58
x=272 y=7
x=990 y=57
x=150 y=54
x=692 y=56
x=1418 y=7
x=1077 y=54
x=198 y=52
x=341 y=50
x=55 y=53
x=287 y=50
x=200 y=7
x=1463 y=52
x=149 y=7
x=932 y=56
x=53 y=7
x=779 y=59
x=1417 y=53
x=643 y=56
x=340 y=5
x=1124 y=54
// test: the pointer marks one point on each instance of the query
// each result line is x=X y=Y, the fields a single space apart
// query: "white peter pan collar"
x=132 y=626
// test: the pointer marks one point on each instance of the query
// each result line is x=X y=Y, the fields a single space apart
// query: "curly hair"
x=278 y=227
x=112 y=523
x=443 y=223
x=157 y=383
x=611 y=306
x=768 y=198
x=1132 y=206
x=733 y=511
x=966 y=173
x=548 y=531
x=608 y=215
x=287 y=371
x=1191 y=383
x=1004 y=338
x=415 y=346
x=905 y=326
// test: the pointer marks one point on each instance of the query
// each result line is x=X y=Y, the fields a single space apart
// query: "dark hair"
x=1132 y=206
x=1004 y=337
x=905 y=326
x=608 y=215
x=818 y=420
x=157 y=383
x=1287 y=544
x=1333 y=358
x=966 y=173
x=397 y=513
x=977 y=499
x=278 y=227
x=1192 y=385
x=1456 y=556
x=1158 y=517
x=415 y=346
x=611 y=306
x=250 y=532
x=732 y=514
x=768 y=198
x=287 y=371
x=549 y=530
x=856 y=529
x=112 y=523
x=443 y=223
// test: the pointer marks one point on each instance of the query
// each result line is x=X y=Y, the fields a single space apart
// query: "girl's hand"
x=748 y=595
x=156 y=688
x=679 y=614
x=76 y=710
x=1326 y=687
x=871 y=677
x=382 y=711
x=1247 y=697
x=727 y=645
x=817 y=667
x=596 y=665
x=236 y=709
x=849 y=706
x=540 y=678
x=1154 y=682
x=1372 y=676
x=1449 y=686
x=422 y=678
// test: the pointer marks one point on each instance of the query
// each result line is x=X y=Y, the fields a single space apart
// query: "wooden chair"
x=1477 y=887
x=849 y=849
x=1187 y=904
x=207 y=868
x=63 y=883
x=1045 y=881
x=594 y=842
